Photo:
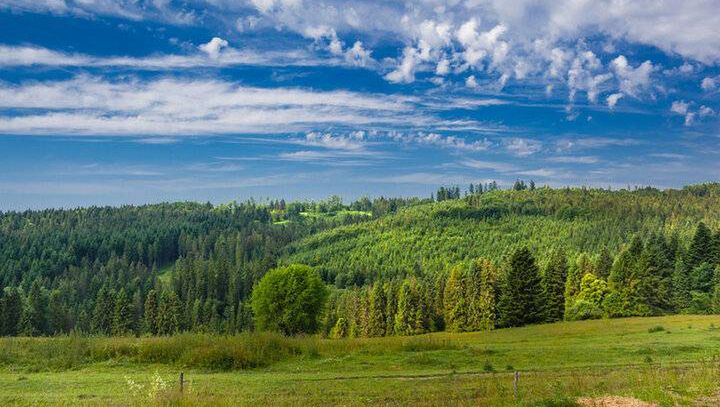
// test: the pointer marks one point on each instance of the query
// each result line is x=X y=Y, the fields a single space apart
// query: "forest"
x=463 y=260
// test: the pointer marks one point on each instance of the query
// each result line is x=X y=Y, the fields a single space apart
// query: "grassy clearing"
x=677 y=364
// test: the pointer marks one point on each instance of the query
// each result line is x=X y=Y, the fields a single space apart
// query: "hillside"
x=430 y=237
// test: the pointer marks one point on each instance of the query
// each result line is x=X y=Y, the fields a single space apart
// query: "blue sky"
x=130 y=101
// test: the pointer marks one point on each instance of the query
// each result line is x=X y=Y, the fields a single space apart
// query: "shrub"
x=289 y=300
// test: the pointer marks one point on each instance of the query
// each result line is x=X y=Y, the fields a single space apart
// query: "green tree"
x=12 y=311
x=378 y=306
x=407 y=306
x=701 y=248
x=103 y=313
x=150 y=313
x=553 y=286
x=521 y=298
x=456 y=308
x=681 y=288
x=289 y=300
x=168 y=315
x=480 y=295
x=589 y=301
x=123 y=314
x=35 y=316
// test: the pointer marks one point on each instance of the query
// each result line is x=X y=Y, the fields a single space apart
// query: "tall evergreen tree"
x=405 y=319
x=168 y=315
x=480 y=295
x=521 y=298
x=150 y=313
x=12 y=309
x=35 y=316
x=681 y=288
x=456 y=307
x=701 y=249
x=604 y=264
x=553 y=286
x=123 y=314
x=377 y=307
x=103 y=313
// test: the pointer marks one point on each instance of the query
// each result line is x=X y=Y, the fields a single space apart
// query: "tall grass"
x=210 y=352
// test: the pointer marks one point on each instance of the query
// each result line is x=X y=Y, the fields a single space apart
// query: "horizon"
x=132 y=103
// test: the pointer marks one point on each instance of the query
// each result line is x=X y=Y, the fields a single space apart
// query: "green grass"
x=558 y=362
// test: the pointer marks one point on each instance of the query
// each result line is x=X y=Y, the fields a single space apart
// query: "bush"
x=582 y=310
x=289 y=300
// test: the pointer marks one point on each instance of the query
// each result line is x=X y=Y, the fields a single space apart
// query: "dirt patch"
x=713 y=400
x=613 y=401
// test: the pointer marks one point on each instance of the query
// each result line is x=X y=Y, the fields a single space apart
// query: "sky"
x=108 y=102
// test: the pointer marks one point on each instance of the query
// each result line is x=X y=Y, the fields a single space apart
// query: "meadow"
x=671 y=360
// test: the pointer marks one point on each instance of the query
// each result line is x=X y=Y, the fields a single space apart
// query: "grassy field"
x=667 y=360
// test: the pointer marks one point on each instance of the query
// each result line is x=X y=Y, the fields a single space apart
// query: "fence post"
x=182 y=381
x=516 y=378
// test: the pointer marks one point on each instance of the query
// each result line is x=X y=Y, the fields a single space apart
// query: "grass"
x=558 y=363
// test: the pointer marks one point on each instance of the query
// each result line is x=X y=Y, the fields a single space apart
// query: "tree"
x=553 y=286
x=480 y=295
x=701 y=248
x=681 y=288
x=521 y=299
x=407 y=306
x=123 y=314
x=456 y=318
x=604 y=264
x=589 y=301
x=150 y=314
x=35 y=317
x=289 y=300
x=168 y=315
x=103 y=313
x=378 y=306
x=12 y=310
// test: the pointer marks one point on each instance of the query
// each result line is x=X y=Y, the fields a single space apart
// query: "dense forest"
x=464 y=260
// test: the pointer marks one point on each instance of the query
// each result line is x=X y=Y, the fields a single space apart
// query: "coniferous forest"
x=466 y=259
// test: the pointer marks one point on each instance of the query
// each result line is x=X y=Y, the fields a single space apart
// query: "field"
x=667 y=360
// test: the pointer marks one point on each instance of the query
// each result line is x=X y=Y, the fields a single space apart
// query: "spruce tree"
x=35 y=316
x=405 y=319
x=604 y=264
x=103 y=312
x=521 y=299
x=390 y=289
x=681 y=288
x=480 y=295
x=168 y=316
x=150 y=313
x=701 y=248
x=123 y=314
x=12 y=306
x=377 y=307
x=456 y=308
x=553 y=285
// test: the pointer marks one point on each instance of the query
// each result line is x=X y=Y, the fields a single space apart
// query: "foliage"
x=289 y=300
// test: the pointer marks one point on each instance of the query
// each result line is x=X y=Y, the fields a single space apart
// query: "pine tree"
x=57 y=314
x=681 y=288
x=12 y=309
x=480 y=295
x=103 y=313
x=604 y=264
x=377 y=307
x=123 y=314
x=405 y=318
x=150 y=313
x=716 y=291
x=553 y=286
x=168 y=316
x=391 y=309
x=521 y=299
x=701 y=248
x=456 y=308
x=35 y=316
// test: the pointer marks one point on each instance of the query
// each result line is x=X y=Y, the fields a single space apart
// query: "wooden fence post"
x=516 y=378
x=182 y=381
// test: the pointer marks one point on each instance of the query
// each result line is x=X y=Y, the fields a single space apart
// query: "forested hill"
x=428 y=238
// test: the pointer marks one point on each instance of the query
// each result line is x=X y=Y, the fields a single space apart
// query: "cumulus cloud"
x=708 y=84
x=212 y=48
x=613 y=99
x=632 y=80
x=523 y=147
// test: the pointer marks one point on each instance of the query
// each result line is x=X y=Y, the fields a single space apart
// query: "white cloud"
x=613 y=99
x=88 y=105
x=489 y=165
x=471 y=82
x=708 y=84
x=212 y=48
x=574 y=159
x=522 y=147
x=632 y=80
x=405 y=72
x=679 y=107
